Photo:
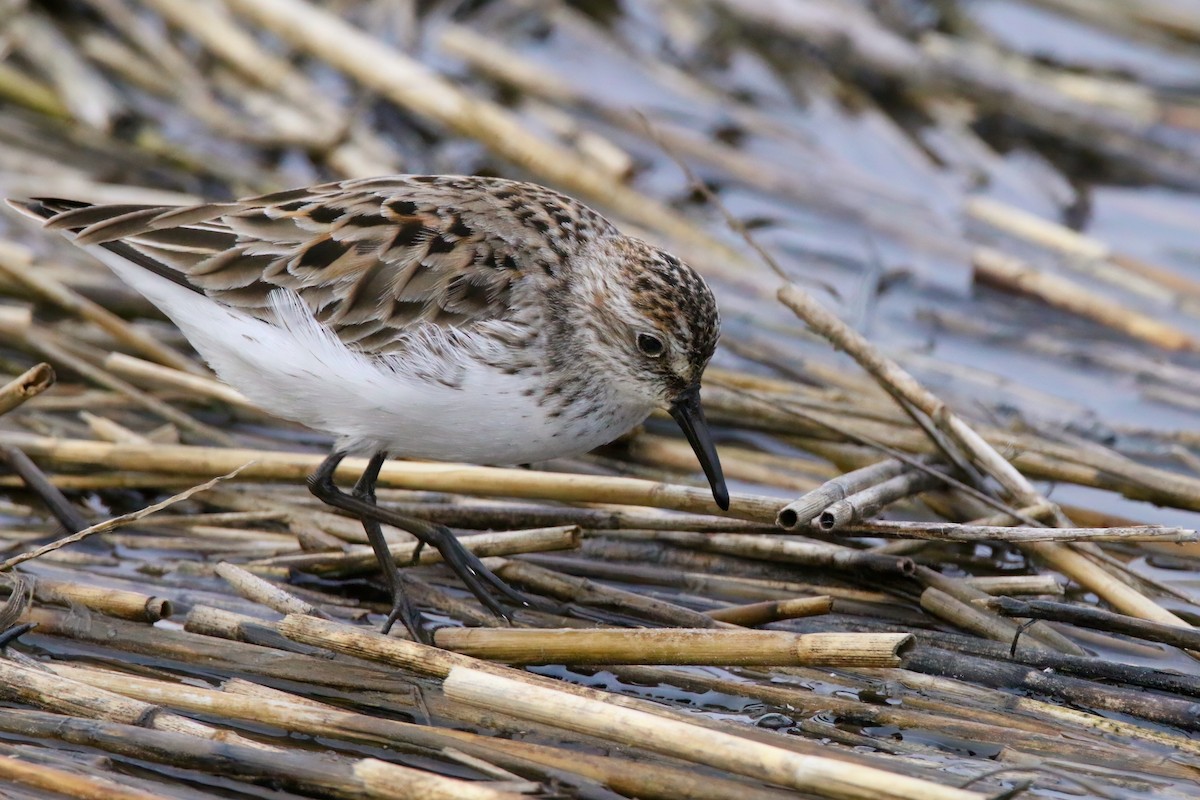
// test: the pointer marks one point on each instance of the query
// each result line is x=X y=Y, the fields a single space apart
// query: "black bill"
x=687 y=411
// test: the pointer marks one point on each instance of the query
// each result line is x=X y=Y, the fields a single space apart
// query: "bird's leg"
x=465 y=564
x=321 y=484
x=402 y=608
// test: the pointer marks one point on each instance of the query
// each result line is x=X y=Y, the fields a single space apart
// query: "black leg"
x=15 y=632
x=465 y=564
x=402 y=608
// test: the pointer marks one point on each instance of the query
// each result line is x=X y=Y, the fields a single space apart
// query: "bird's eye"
x=650 y=345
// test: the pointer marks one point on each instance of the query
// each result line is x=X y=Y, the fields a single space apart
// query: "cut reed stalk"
x=773 y=610
x=675 y=646
x=121 y=603
x=869 y=501
x=256 y=589
x=1016 y=584
x=25 y=386
x=804 y=509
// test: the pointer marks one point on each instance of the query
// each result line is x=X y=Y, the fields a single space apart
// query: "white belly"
x=300 y=371
x=489 y=420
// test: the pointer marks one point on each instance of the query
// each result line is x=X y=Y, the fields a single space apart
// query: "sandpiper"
x=442 y=317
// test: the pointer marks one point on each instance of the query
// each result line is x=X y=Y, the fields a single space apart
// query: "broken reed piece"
x=870 y=501
x=954 y=532
x=263 y=592
x=1088 y=667
x=38 y=687
x=787 y=549
x=15 y=321
x=1179 y=712
x=772 y=610
x=120 y=603
x=707 y=583
x=1084 y=253
x=801 y=511
x=969 y=618
x=1016 y=584
x=1006 y=272
x=63 y=783
x=30 y=383
x=106 y=430
x=1097 y=619
x=676 y=646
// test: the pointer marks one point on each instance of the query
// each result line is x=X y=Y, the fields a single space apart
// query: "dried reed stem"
x=28 y=384
x=256 y=589
x=773 y=610
x=953 y=532
x=675 y=646
x=1006 y=272
x=119 y=603
x=459 y=478
x=805 y=508
x=823 y=777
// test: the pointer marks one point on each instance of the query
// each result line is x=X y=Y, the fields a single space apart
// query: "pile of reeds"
x=892 y=586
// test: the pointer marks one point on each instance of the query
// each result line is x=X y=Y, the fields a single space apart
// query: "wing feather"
x=371 y=259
